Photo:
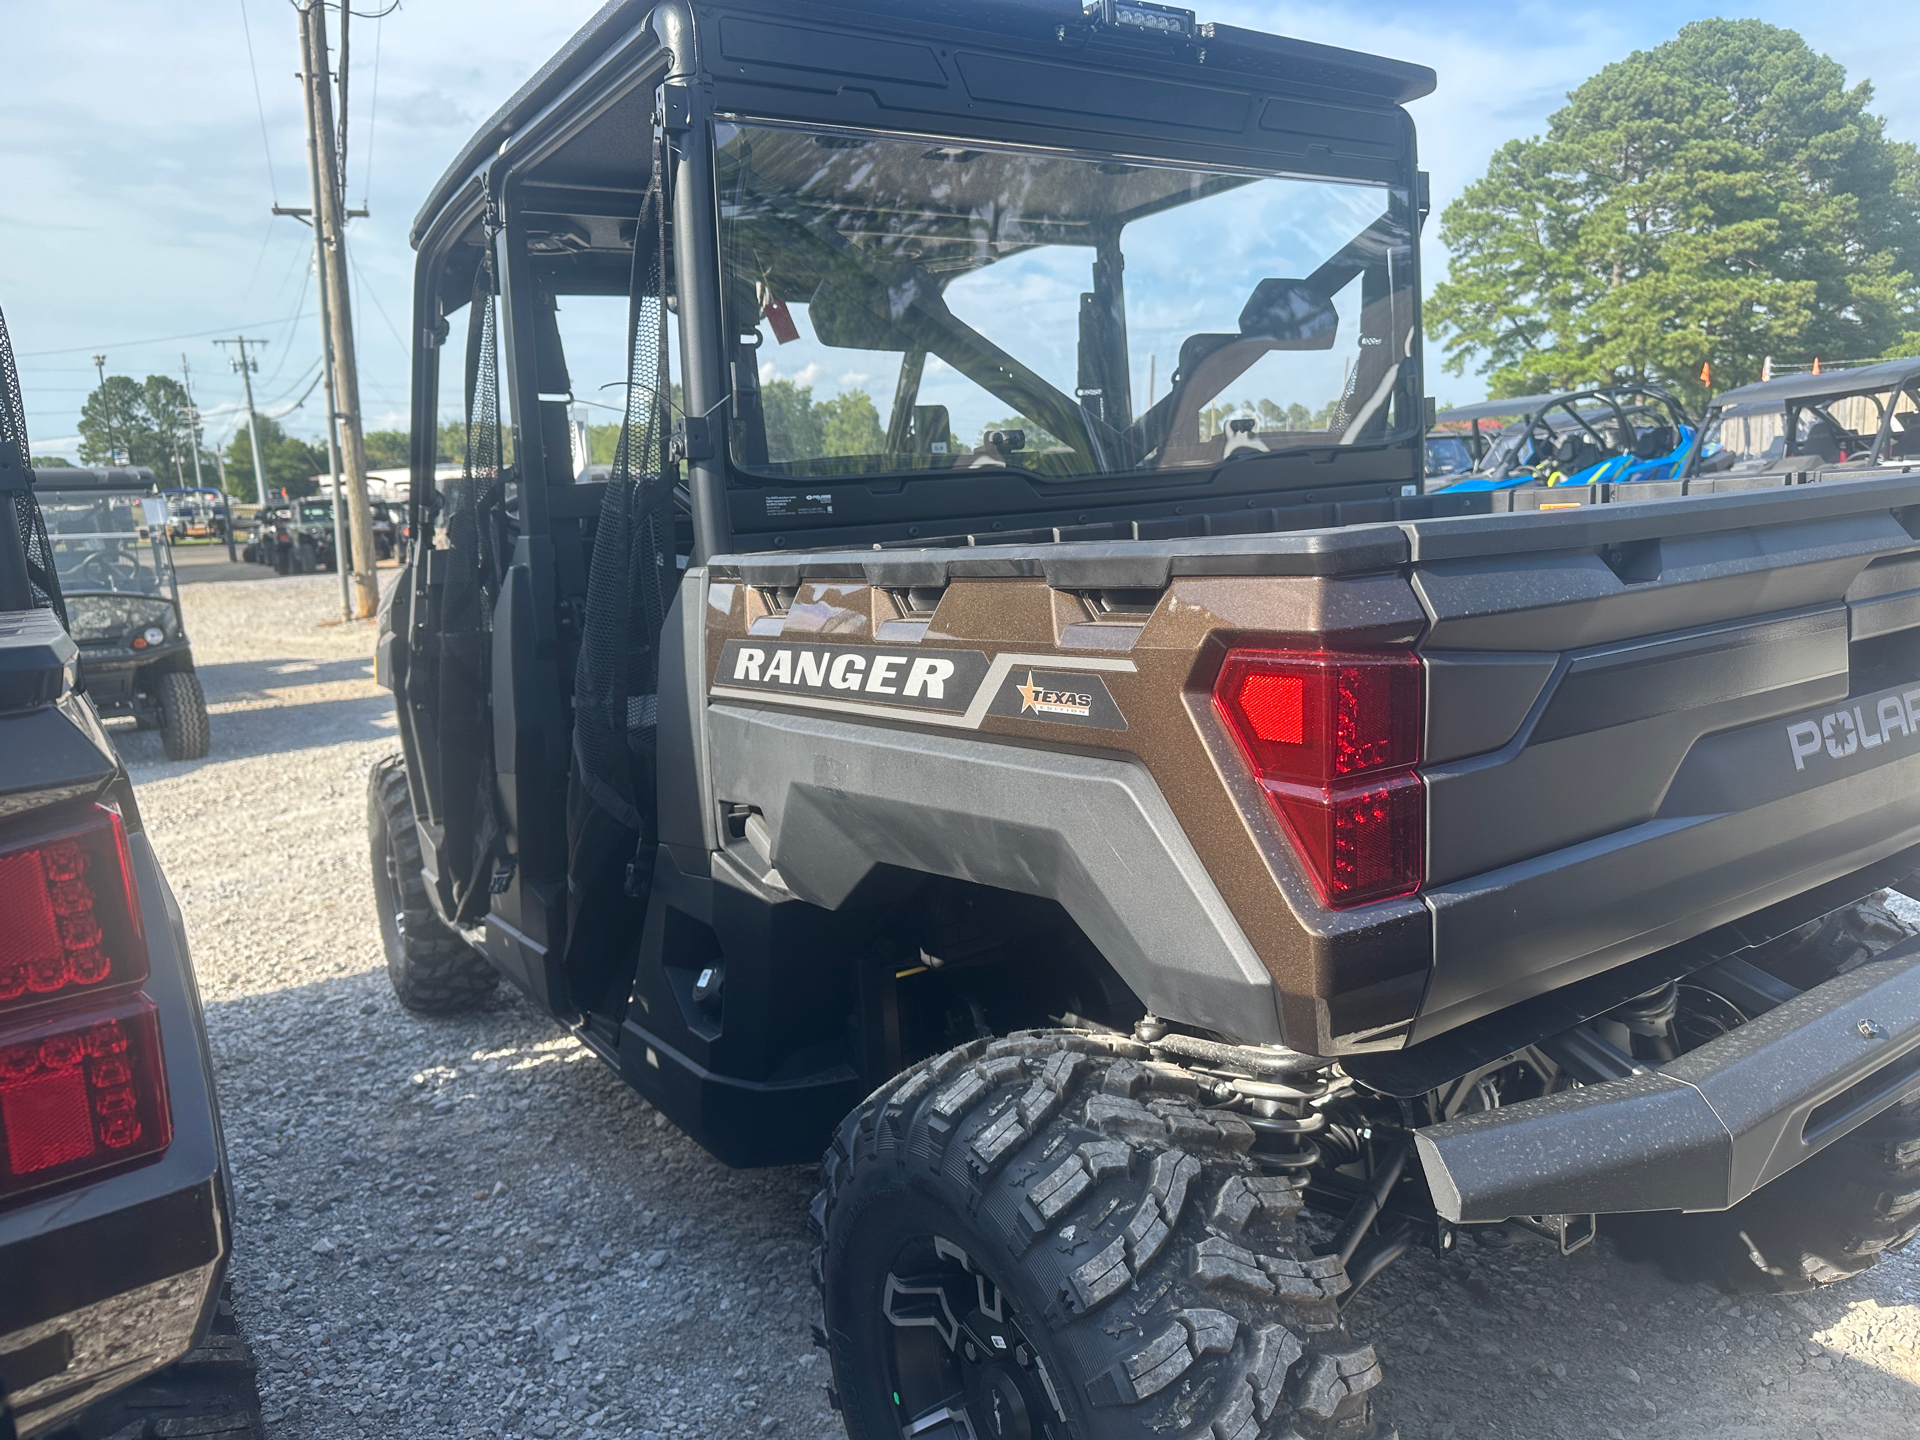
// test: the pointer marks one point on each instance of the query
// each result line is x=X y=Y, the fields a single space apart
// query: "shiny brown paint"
x=1344 y=981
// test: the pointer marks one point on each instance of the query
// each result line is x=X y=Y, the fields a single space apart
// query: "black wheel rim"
x=960 y=1364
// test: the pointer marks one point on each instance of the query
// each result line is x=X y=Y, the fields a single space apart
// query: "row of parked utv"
x=1639 y=442
x=296 y=537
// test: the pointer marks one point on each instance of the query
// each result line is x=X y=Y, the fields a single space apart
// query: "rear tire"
x=1829 y=1218
x=1050 y=1238
x=1826 y=1220
x=432 y=970
x=183 y=716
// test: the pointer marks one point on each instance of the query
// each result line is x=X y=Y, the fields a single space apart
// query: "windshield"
x=316 y=512
x=911 y=305
x=1448 y=455
x=102 y=545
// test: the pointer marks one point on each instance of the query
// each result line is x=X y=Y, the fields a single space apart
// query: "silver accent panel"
x=842 y=798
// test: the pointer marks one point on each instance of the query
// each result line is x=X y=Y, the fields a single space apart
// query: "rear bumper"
x=1701 y=1132
x=108 y=1281
x=113 y=676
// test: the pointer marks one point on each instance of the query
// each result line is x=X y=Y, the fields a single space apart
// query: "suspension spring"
x=1274 y=1091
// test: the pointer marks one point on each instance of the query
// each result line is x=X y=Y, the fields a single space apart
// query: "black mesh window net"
x=634 y=569
x=16 y=487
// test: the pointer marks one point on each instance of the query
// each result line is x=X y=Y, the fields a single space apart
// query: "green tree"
x=129 y=423
x=170 y=411
x=850 y=425
x=51 y=462
x=387 y=449
x=795 y=425
x=1720 y=198
x=291 y=463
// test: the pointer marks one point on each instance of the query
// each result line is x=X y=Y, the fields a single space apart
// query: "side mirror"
x=1290 y=315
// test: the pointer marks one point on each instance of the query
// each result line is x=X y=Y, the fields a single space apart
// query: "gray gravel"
x=468 y=1227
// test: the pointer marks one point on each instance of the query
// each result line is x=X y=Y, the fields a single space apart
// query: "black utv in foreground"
x=114 y=1220
x=1080 y=781
x=111 y=546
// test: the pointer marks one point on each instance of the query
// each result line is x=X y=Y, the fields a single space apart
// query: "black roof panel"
x=1231 y=54
x=1827 y=386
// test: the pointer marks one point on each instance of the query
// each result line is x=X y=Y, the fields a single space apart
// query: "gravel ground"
x=467 y=1227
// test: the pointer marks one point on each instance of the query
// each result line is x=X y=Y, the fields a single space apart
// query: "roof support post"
x=687 y=118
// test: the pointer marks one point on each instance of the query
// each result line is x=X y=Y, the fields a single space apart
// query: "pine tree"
x=1720 y=198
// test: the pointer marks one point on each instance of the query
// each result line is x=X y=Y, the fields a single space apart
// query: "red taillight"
x=69 y=921
x=82 y=1084
x=1334 y=740
x=79 y=1091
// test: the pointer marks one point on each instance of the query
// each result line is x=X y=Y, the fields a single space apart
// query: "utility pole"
x=246 y=366
x=193 y=440
x=329 y=207
x=321 y=274
x=113 y=446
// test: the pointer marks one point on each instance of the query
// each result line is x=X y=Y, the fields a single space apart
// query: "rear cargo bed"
x=1642 y=721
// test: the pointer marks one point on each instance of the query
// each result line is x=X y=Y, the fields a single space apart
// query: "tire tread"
x=432 y=970
x=1098 y=1166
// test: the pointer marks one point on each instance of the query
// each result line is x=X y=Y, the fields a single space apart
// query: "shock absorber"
x=1649 y=1018
x=1273 y=1089
x=1282 y=1118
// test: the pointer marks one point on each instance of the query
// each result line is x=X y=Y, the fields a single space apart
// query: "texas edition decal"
x=1075 y=696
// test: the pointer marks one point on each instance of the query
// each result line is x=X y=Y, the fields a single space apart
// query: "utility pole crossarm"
x=302 y=212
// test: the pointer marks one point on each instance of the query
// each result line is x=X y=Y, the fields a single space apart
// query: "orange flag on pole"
x=1706 y=374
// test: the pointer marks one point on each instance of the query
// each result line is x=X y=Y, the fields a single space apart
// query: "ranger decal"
x=923 y=679
x=949 y=687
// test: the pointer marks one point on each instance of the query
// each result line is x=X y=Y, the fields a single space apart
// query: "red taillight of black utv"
x=1333 y=738
x=69 y=921
x=82 y=1083
x=80 y=1091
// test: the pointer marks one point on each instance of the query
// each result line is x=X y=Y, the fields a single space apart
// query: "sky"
x=138 y=161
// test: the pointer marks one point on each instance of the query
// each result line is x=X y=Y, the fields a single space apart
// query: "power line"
x=258 y=260
x=259 y=105
x=373 y=111
x=368 y=291
x=306 y=378
x=286 y=342
x=282 y=414
x=159 y=339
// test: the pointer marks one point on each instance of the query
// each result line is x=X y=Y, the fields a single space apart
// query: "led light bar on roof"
x=1143 y=18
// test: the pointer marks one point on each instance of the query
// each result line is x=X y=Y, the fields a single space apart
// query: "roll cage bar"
x=1580 y=409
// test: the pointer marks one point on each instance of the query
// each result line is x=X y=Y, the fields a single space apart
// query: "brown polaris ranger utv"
x=1012 y=720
